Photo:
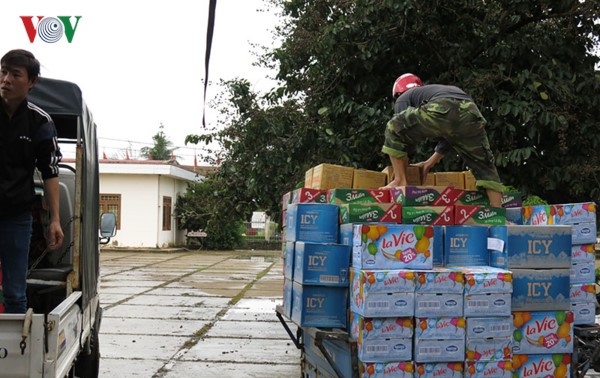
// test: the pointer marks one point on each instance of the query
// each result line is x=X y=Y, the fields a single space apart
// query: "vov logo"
x=50 y=29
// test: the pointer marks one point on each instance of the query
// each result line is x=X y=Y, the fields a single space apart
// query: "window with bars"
x=111 y=203
x=166 y=226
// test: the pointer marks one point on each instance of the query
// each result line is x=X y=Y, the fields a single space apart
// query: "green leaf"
x=544 y=96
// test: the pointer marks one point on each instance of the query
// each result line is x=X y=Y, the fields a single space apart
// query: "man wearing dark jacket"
x=446 y=113
x=27 y=140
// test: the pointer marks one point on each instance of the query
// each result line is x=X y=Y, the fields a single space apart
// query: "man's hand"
x=56 y=235
x=425 y=166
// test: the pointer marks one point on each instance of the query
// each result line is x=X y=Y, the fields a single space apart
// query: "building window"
x=111 y=203
x=166 y=214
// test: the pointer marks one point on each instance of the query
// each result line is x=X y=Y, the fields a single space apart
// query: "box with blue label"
x=382 y=304
x=321 y=264
x=540 y=332
x=514 y=215
x=570 y=213
x=440 y=280
x=440 y=328
x=530 y=246
x=287 y=298
x=541 y=289
x=429 y=305
x=288 y=260
x=392 y=246
x=491 y=304
x=399 y=369
x=382 y=281
x=446 y=350
x=583 y=293
x=490 y=349
x=583 y=233
x=466 y=245
x=338 y=349
x=319 y=306
x=485 y=327
x=440 y=370
x=312 y=222
x=380 y=328
x=489 y=369
x=583 y=252
x=582 y=272
x=384 y=350
x=487 y=280
x=584 y=313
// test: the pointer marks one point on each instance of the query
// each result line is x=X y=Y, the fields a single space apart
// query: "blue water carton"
x=490 y=304
x=583 y=233
x=583 y=252
x=288 y=260
x=490 y=349
x=583 y=272
x=541 y=289
x=380 y=328
x=440 y=280
x=346 y=233
x=466 y=245
x=514 y=215
x=487 y=280
x=584 y=313
x=484 y=327
x=392 y=246
x=319 y=306
x=438 y=246
x=287 y=297
x=321 y=264
x=431 y=305
x=540 y=332
x=530 y=246
x=489 y=369
x=444 y=350
x=583 y=293
x=440 y=370
x=442 y=327
x=312 y=222
x=338 y=349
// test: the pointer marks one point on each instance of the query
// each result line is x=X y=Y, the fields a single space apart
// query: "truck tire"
x=88 y=365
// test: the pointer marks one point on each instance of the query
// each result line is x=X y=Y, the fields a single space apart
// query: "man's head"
x=405 y=82
x=19 y=71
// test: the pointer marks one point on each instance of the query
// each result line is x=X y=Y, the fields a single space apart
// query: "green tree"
x=528 y=64
x=162 y=149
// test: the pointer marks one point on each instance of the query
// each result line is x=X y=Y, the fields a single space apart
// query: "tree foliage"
x=529 y=65
x=162 y=149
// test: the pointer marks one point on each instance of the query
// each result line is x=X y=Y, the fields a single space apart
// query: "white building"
x=142 y=193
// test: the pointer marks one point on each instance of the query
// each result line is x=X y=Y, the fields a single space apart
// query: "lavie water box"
x=539 y=332
x=321 y=264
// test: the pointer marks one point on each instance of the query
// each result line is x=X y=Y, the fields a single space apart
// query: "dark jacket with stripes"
x=27 y=140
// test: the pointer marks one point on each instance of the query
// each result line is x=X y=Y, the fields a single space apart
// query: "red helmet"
x=405 y=82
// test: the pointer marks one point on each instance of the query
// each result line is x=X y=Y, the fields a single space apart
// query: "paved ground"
x=193 y=314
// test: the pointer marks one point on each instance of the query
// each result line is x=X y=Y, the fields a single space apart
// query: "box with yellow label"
x=308 y=178
x=469 y=180
x=413 y=175
x=455 y=179
x=367 y=179
x=330 y=176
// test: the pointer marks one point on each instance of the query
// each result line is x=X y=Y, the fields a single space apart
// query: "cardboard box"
x=389 y=174
x=370 y=212
x=368 y=282
x=570 y=213
x=339 y=350
x=479 y=215
x=425 y=195
x=583 y=252
x=386 y=369
x=583 y=293
x=413 y=175
x=446 y=350
x=473 y=197
x=489 y=349
x=341 y=196
x=433 y=305
x=321 y=264
x=429 y=180
x=392 y=246
x=287 y=297
x=455 y=179
x=440 y=328
x=530 y=247
x=486 y=280
x=489 y=369
x=288 y=260
x=439 y=280
x=542 y=365
x=584 y=313
x=286 y=199
x=512 y=199
x=466 y=245
x=306 y=195
x=384 y=350
x=308 y=175
x=319 y=306
x=440 y=370
x=514 y=215
x=582 y=233
x=367 y=179
x=541 y=289
x=484 y=327
x=428 y=215
x=469 y=180
x=543 y=332
x=582 y=272
x=330 y=176
x=312 y=222
x=380 y=328
x=379 y=305
x=491 y=304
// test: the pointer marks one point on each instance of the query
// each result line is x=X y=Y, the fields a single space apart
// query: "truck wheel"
x=88 y=365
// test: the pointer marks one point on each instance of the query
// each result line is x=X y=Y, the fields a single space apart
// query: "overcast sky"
x=140 y=64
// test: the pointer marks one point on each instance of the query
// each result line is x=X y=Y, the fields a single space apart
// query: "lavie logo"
x=50 y=29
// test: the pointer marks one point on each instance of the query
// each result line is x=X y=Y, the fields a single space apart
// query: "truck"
x=58 y=336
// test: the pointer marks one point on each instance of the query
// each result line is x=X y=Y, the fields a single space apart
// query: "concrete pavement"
x=193 y=314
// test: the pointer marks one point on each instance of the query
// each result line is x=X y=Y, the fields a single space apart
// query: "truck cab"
x=58 y=336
